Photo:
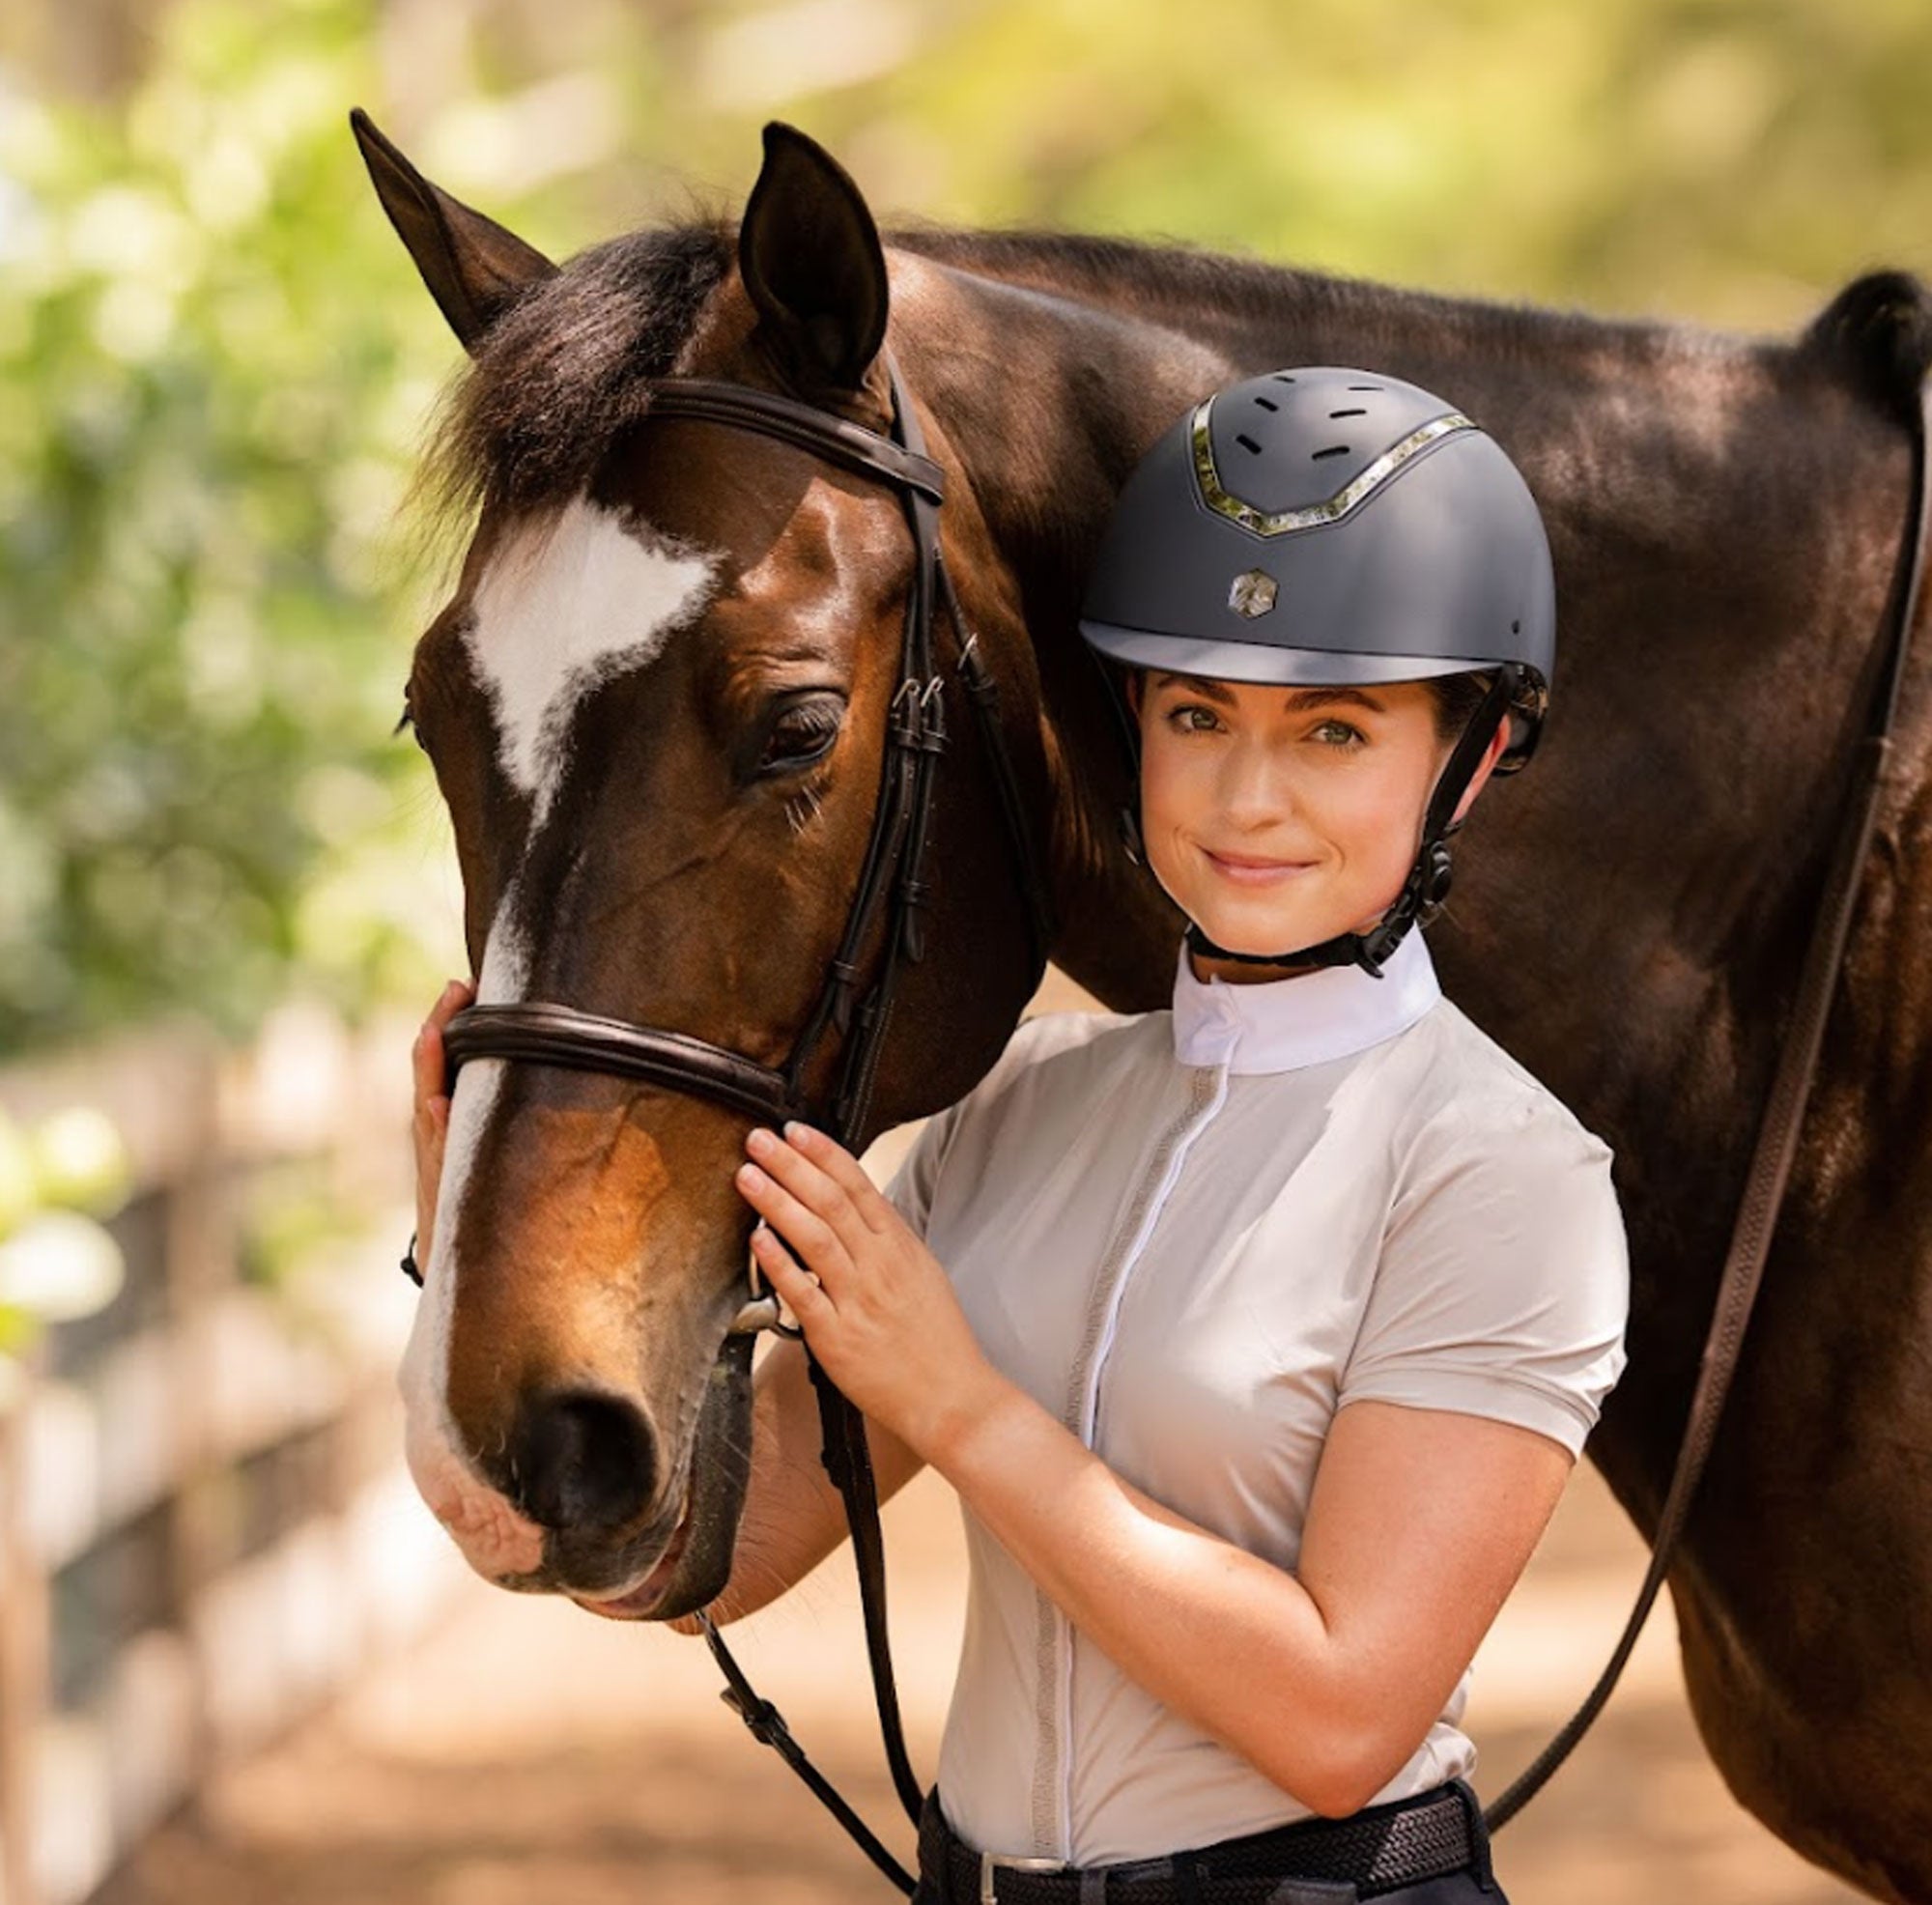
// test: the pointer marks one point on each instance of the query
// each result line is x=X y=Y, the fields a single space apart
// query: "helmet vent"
x=1333 y=449
x=1247 y=442
x=1365 y=387
x=1282 y=377
x=1335 y=414
x=1267 y=403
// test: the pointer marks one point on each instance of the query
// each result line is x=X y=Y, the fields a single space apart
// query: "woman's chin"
x=1256 y=931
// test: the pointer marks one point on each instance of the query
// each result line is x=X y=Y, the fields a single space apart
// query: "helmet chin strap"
x=1428 y=884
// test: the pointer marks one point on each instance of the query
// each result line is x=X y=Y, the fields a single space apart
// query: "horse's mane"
x=567 y=367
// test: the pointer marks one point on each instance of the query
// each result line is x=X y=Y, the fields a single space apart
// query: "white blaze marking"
x=495 y=1538
x=571 y=602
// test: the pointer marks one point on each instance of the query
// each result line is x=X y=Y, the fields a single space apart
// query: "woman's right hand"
x=430 y=1125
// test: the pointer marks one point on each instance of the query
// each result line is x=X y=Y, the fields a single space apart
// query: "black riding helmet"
x=1323 y=526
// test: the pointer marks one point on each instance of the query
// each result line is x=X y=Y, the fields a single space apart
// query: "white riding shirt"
x=1192 y=1236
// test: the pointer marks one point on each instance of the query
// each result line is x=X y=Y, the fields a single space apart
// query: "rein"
x=891 y=878
x=1871 y=776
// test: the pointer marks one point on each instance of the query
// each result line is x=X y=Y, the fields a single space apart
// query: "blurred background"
x=237 y=1659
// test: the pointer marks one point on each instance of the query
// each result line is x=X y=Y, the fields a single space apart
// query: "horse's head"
x=657 y=706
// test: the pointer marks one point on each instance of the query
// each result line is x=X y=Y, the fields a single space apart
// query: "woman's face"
x=1277 y=818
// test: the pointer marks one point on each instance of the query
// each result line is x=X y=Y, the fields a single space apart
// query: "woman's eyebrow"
x=1298 y=701
x=1314 y=697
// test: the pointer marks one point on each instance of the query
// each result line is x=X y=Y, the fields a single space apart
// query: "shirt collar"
x=1281 y=1024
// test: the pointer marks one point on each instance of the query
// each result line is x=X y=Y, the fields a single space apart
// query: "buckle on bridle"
x=761 y=1310
x=931 y=735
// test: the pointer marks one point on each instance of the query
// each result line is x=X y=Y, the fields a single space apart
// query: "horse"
x=655 y=703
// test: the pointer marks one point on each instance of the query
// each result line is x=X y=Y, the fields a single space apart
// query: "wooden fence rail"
x=204 y=1524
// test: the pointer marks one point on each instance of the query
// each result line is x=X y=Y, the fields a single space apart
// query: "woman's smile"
x=1248 y=869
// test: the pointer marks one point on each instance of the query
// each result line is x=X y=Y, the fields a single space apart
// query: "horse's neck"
x=1051 y=364
x=1056 y=360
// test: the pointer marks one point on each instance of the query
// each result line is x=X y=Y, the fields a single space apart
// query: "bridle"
x=891 y=879
x=892 y=887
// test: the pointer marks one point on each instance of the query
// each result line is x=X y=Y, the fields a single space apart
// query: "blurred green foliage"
x=206 y=420
x=214 y=361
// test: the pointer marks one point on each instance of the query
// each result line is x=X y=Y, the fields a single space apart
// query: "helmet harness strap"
x=1428 y=884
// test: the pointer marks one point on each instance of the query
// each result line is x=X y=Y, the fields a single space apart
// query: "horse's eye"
x=801 y=733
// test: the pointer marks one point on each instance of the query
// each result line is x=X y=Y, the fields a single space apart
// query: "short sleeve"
x=1503 y=1283
x=910 y=1188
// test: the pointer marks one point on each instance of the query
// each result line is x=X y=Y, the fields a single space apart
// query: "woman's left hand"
x=876 y=1304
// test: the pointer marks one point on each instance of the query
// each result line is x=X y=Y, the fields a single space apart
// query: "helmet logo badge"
x=1252 y=592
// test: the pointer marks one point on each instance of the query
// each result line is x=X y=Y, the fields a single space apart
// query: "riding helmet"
x=1324 y=526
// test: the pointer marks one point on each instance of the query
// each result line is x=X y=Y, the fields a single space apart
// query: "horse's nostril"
x=582 y=1460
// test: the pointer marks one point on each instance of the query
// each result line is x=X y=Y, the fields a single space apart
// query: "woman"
x=1258 y=1335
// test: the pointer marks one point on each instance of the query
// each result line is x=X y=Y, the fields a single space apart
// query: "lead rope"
x=1777 y=1143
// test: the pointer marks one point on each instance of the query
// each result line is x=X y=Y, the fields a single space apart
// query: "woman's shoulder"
x=1468 y=1088
x=1068 y=1048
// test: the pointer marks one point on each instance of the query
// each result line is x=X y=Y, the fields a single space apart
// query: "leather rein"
x=891 y=879
x=1872 y=771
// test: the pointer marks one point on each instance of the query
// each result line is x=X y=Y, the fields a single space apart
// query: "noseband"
x=893 y=885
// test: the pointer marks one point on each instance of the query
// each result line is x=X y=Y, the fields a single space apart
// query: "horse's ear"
x=810 y=258
x=473 y=268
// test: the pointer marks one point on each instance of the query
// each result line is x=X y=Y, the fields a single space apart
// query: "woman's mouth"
x=1246 y=869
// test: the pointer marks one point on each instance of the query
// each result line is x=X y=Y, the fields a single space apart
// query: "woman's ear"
x=1497 y=741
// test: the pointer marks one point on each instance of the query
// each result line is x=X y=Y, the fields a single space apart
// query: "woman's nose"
x=1254 y=787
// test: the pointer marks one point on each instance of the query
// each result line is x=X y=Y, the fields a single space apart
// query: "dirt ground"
x=530 y=1751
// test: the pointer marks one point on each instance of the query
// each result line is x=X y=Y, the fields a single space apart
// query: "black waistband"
x=1379 y=1849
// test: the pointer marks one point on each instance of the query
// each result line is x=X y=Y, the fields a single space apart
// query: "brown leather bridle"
x=892 y=884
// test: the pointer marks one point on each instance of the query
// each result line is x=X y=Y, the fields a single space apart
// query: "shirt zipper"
x=1208 y=1091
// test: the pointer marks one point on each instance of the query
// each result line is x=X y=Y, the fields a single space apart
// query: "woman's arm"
x=1327 y=1680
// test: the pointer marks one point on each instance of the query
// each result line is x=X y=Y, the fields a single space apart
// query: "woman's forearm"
x=1222 y=1636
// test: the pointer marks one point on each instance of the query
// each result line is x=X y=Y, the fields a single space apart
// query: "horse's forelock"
x=567 y=368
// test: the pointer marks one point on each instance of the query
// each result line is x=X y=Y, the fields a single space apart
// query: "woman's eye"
x=1181 y=718
x=1350 y=736
x=800 y=734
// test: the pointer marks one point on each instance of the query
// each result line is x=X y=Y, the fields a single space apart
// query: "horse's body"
x=1726 y=518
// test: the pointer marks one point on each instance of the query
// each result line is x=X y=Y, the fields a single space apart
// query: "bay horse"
x=655 y=704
